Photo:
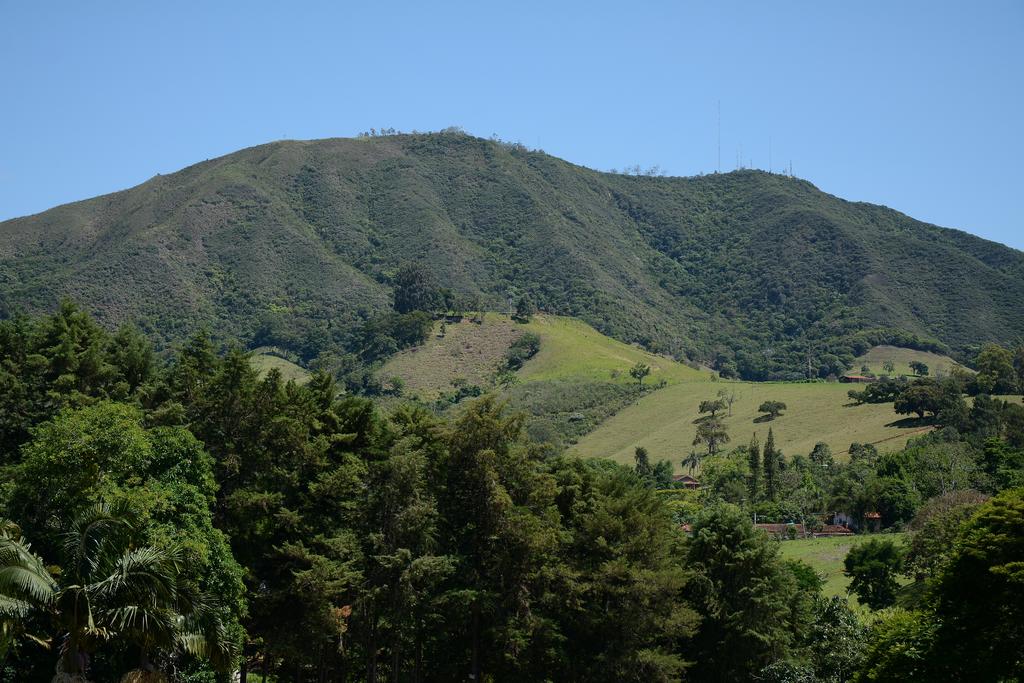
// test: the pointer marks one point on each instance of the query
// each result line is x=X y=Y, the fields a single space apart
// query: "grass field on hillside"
x=663 y=421
x=265 y=362
x=901 y=358
x=570 y=348
x=826 y=556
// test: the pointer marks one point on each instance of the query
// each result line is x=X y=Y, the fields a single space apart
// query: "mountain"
x=294 y=243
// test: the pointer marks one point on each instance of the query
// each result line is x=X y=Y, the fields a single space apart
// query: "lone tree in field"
x=525 y=308
x=920 y=399
x=729 y=396
x=772 y=408
x=711 y=433
x=712 y=406
x=920 y=369
x=889 y=366
x=873 y=567
x=639 y=371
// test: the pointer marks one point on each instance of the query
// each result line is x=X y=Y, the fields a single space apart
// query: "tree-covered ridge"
x=293 y=244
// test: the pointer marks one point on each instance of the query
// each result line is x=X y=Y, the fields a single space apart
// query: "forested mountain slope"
x=290 y=243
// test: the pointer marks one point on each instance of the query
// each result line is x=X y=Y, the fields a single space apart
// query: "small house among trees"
x=857 y=379
x=686 y=481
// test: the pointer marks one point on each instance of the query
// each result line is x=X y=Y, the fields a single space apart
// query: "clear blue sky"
x=916 y=105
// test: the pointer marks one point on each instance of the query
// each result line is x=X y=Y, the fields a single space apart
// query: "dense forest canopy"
x=185 y=515
x=299 y=245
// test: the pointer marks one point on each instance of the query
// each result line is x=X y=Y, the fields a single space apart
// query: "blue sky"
x=916 y=105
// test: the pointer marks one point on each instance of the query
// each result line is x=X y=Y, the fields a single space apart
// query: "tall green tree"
x=744 y=594
x=979 y=600
x=996 y=373
x=754 y=461
x=873 y=567
x=770 y=462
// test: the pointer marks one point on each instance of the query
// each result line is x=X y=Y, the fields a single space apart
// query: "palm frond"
x=23 y=575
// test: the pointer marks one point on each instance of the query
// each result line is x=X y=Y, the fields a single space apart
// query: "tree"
x=754 y=462
x=415 y=289
x=712 y=434
x=919 y=399
x=744 y=593
x=872 y=567
x=934 y=531
x=919 y=367
x=899 y=647
x=643 y=463
x=525 y=308
x=979 y=601
x=889 y=366
x=712 y=406
x=25 y=585
x=821 y=456
x=113 y=588
x=692 y=461
x=729 y=396
x=996 y=374
x=770 y=462
x=639 y=372
x=835 y=640
x=772 y=408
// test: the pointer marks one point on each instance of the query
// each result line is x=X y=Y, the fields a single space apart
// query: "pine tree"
x=771 y=465
x=754 y=458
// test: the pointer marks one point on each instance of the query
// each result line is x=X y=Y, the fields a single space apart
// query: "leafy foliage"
x=873 y=567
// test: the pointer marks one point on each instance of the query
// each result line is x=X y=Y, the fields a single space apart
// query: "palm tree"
x=25 y=584
x=692 y=461
x=116 y=590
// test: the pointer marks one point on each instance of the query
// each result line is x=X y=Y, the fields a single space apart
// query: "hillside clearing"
x=569 y=350
x=467 y=351
x=901 y=358
x=264 y=362
x=663 y=421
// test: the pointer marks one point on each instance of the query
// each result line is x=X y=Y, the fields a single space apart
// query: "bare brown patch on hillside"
x=467 y=350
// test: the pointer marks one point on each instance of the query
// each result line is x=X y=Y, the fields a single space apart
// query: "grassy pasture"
x=826 y=556
x=572 y=351
x=876 y=357
x=663 y=421
x=264 y=362
x=569 y=350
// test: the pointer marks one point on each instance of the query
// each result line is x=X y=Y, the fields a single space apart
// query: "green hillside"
x=664 y=422
x=291 y=243
x=578 y=394
x=570 y=350
x=264 y=362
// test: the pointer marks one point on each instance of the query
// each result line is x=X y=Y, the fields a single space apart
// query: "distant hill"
x=291 y=243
